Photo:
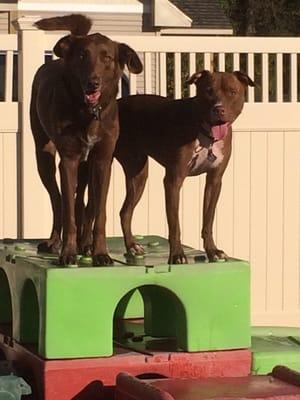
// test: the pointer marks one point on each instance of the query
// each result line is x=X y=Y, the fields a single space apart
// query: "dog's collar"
x=205 y=131
x=210 y=154
x=95 y=111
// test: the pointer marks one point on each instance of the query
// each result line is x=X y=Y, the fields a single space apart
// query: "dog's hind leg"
x=46 y=167
x=136 y=172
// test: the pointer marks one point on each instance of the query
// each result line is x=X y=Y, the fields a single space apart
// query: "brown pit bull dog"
x=188 y=137
x=74 y=111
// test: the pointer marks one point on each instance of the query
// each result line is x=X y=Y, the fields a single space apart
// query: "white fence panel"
x=9 y=141
x=258 y=213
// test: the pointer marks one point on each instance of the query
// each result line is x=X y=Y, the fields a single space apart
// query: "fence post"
x=33 y=201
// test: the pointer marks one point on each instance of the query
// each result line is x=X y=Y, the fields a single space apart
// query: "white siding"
x=4 y=20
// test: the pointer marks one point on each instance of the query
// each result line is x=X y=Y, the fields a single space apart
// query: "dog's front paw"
x=179 y=258
x=85 y=245
x=102 y=260
x=85 y=250
x=67 y=259
x=49 y=246
x=215 y=255
x=136 y=249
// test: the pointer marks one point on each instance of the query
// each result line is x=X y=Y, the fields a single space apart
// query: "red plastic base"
x=85 y=378
x=254 y=388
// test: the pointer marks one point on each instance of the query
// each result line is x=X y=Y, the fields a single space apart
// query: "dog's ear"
x=62 y=46
x=196 y=76
x=129 y=57
x=244 y=78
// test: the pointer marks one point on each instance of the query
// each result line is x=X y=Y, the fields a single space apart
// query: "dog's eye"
x=233 y=92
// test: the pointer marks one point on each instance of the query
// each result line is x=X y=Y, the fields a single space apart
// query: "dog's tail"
x=77 y=24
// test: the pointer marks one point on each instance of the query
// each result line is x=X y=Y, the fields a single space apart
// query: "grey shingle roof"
x=206 y=14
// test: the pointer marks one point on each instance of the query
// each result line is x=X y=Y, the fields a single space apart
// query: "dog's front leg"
x=86 y=240
x=101 y=171
x=211 y=195
x=68 y=173
x=172 y=185
x=81 y=210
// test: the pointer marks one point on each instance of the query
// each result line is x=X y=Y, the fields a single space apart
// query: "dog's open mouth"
x=92 y=97
x=220 y=131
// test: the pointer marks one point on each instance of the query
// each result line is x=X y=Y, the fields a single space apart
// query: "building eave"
x=196 y=31
x=166 y=14
x=8 y=6
x=94 y=7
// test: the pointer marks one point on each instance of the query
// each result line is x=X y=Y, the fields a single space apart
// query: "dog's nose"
x=93 y=84
x=219 y=110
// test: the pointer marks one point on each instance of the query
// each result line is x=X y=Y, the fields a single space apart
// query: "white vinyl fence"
x=258 y=214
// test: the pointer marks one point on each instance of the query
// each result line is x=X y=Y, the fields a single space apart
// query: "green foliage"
x=268 y=17
x=251 y=17
x=184 y=72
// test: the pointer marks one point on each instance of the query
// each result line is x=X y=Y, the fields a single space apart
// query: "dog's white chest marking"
x=200 y=161
x=91 y=139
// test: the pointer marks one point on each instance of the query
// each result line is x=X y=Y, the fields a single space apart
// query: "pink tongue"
x=93 y=97
x=220 y=131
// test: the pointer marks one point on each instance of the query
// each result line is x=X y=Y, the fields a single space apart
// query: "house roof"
x=204 y=13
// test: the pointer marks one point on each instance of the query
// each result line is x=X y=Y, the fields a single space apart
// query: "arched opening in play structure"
x=5 y=304
x=29 y=314
x=151 y=317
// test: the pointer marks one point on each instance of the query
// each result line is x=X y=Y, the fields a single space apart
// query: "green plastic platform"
x=273 y=346
x=69 y=311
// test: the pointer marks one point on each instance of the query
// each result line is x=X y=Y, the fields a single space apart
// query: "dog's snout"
x=93 y=84
x=219 y=110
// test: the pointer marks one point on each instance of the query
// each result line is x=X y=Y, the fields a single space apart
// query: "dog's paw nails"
x=136 y=249
x=87 y=250
x=212 y=257
x=67 y=259
x=178 y=259
x=216 y=255
x=222 y=256
x=102 y=260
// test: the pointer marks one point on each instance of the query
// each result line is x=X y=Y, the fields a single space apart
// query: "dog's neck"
x=208 y=134
x=96 y=127
x=199 y=117
x=91 y=117
x=205 y=130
